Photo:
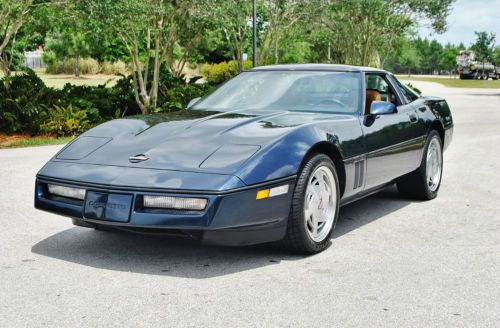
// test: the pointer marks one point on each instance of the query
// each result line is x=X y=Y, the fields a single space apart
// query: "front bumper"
x=233 y=218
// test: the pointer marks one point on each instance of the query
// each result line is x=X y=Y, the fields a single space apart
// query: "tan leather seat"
x=371 y=95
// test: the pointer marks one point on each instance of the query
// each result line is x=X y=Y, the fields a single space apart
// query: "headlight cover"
x=68 y=192
x=175 y=203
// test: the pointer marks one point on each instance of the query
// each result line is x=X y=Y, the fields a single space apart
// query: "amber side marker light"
x=268 y=193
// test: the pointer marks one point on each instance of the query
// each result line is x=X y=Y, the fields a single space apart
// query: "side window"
x=407 y=92
x=377 y=89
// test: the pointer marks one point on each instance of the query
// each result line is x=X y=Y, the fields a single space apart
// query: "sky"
x=466 y=17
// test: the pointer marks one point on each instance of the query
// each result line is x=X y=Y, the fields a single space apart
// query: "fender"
x=436 y=114
x=285 y=156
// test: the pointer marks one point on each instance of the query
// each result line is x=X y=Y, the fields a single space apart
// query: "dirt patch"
x=26 y=140
x=6 y=141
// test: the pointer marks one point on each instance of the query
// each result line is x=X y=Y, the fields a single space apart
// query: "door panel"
x=393 y=142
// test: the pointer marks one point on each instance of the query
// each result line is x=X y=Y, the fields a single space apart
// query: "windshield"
x=287 y=90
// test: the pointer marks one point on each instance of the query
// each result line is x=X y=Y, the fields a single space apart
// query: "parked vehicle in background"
x=470 y=68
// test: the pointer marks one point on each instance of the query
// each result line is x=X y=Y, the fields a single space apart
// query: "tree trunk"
x=276 y=51
x=4 y=65
x=77 y=67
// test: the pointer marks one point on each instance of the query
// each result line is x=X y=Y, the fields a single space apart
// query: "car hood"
x=190 y=140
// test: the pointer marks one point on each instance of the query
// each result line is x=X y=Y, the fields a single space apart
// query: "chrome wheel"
x=320 y=203
x=434 y=164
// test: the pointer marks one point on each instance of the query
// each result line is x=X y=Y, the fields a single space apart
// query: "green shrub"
x=67 y=66
x=107 y=68
x=414 y=88
x=106 y=100
x=23 y=97
x=68 y=121
x=114 y=68
x=49 y=57
x=88 y=66
x=123 y=97
x=218 y=73
x=28 y=105
x=174 y=92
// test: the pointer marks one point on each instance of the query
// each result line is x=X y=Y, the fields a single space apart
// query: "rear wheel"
x=424 y=183
x=315 y=207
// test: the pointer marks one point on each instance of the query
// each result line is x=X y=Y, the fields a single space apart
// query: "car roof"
x=318 y=67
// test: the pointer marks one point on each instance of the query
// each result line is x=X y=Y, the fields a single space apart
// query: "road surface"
x=392 y=263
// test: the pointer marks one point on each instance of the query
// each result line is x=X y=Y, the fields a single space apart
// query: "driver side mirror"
x=382 y=108
x=193 y=102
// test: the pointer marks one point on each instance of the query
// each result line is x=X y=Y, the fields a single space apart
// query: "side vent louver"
x=359 y=174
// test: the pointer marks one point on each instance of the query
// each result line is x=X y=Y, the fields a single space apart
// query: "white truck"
x=470 y=68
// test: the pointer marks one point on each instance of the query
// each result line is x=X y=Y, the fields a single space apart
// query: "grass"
x=59 y=80
x=454 y=83
x=27 y=141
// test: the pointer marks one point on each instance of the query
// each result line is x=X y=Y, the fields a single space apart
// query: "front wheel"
x=424 y=183
x=315 y=207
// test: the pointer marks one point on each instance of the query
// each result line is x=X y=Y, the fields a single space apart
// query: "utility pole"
x=254 y=37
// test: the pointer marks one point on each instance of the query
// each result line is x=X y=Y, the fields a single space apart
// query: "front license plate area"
x=107 y=207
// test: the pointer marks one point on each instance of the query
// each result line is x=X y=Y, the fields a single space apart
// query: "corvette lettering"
x=114 y=206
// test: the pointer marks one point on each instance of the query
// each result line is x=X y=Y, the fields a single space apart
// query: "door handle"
x=422 y=109
x=413 y=118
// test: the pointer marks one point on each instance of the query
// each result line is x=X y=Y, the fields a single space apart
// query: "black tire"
x=415 y=184
x=297 y=237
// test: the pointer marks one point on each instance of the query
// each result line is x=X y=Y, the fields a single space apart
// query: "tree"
x=68 y=44
x=279 y=18
x=190 y=27
x=483 y=46
x=435 y=54
x=448 y=59
x=367 y=30
x=496 y=55
x=150 y=30
x=423 y=47
x=12 y=16
x=232 y=19
x=409 y=57
x=73 y=24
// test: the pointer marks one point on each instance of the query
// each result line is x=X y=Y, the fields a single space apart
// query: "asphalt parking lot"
x=393 y=262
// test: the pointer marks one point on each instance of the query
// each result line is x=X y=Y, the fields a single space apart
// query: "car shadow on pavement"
x=369 y=209
x=494 y=94
x=180 y=257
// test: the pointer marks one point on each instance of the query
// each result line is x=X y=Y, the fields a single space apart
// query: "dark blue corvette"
x=269 y=156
